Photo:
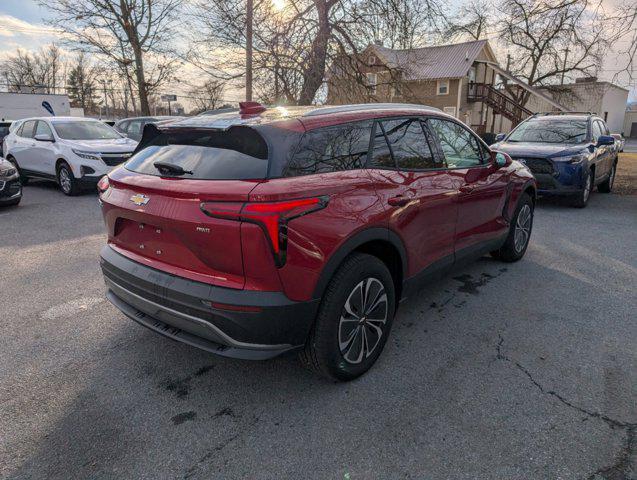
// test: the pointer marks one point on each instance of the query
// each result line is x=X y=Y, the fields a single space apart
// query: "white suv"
x=73 y=151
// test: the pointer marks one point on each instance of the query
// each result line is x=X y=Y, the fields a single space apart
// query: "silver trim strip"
x=230 y=341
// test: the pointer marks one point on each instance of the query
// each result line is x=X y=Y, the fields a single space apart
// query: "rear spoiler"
x=150 y=133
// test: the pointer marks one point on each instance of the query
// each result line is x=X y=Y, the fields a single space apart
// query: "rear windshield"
x=550 y=131
x=239 y=153
x=85 y=131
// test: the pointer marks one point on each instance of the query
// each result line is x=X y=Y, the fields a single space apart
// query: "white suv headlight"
x=87 y=155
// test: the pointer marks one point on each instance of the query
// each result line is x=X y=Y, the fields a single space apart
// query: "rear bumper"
x=181 y=309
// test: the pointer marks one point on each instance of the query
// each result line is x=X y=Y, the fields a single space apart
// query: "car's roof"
x=304 y=118
x=149 y=117
x=61 y=119
x=565 y=117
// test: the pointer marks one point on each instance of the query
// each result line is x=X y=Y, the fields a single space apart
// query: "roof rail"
x=563 y=113
x=367 y=106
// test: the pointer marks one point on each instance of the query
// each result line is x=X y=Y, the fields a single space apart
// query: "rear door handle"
x=466 y=189
x=398 y=201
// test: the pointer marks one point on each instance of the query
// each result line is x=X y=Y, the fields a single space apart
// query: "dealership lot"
x=525 y=370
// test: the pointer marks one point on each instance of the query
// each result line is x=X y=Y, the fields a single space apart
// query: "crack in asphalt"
x=622 y=469
x=196 y=468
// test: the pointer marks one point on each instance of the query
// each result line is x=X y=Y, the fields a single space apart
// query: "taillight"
x=103 y=184
x=272 y=217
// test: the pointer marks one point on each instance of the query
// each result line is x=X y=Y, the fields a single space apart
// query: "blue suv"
x=569 y=154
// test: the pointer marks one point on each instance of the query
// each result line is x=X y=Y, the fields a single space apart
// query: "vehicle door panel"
x=599 y=153
x=482 y=187
x=43 y=152
x=22 y=145
x=420 y=202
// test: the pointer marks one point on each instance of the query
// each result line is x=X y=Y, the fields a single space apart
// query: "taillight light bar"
x=103 y=184
x=272 y=217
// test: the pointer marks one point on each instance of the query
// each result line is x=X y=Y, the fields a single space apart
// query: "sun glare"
x=278 y=4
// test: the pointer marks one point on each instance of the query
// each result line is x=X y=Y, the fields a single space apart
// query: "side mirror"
x=44 y=138
x=605 y=140
x=500 y=159
x=500 y=136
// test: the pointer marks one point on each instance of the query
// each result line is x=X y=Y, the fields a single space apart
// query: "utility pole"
x=249 y=8
x=105 y=99
x=566 y=50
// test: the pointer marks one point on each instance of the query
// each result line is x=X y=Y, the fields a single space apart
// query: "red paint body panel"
x=427 y=222
x=312 y=239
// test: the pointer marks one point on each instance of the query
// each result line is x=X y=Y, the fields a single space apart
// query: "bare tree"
x=552 y=39
x=24 y=71
x=295 y=45
x=81 y=84
x=472 y=21
x=134 y=34
x=207 y=96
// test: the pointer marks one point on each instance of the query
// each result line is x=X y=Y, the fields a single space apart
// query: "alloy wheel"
x=587 y=189
x=611 y=179
x=363 y=320
x=522 y=228
x=65 y=180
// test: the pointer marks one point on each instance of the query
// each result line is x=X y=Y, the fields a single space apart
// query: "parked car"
x=134 y=127
x=10 y=187
x=75 y=152
x=4 y=130
x=620 y=140
x=267 y=231
x=569 y=154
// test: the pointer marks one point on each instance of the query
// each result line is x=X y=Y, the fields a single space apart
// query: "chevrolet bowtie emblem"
x=139 y=199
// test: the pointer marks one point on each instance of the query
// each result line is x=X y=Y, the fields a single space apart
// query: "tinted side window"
x=597 y=131
x=43 y=129
x=409 y=145
x=331 y=149
x=460 y=147
x=605 y=128
x=381 y=155
x=27 y=129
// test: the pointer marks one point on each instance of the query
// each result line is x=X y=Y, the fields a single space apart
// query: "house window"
x=450 y=111
x=372 y=80
x=371 y=60
x=396 y=92
x=442 y=87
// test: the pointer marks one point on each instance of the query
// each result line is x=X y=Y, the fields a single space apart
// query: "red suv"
x=266 y=231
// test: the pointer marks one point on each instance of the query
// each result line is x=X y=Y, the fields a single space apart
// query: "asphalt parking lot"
x=515 y=371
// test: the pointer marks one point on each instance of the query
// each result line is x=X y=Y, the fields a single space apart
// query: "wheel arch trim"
x=350 y=245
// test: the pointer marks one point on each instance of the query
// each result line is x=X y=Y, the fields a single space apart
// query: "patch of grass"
x=626 y=179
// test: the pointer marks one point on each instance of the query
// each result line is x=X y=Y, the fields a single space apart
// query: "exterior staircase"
x=498 y=101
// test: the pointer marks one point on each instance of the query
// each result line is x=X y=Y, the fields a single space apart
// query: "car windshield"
x=550 y=131
x=85 y=131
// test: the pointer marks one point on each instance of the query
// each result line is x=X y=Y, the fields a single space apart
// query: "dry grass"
x=626 y=179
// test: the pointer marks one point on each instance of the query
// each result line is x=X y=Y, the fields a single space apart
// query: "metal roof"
x=429 y=63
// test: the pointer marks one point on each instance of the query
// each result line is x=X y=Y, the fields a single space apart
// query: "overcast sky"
x=22 y=25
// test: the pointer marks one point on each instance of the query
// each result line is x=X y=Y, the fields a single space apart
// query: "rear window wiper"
x=166 y=168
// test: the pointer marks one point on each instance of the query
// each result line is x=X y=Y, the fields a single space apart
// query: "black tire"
x=607 y=185
x=335 y=346
x=23 y=179
x=581 y=199
x=66 y=180
x=522 y=225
